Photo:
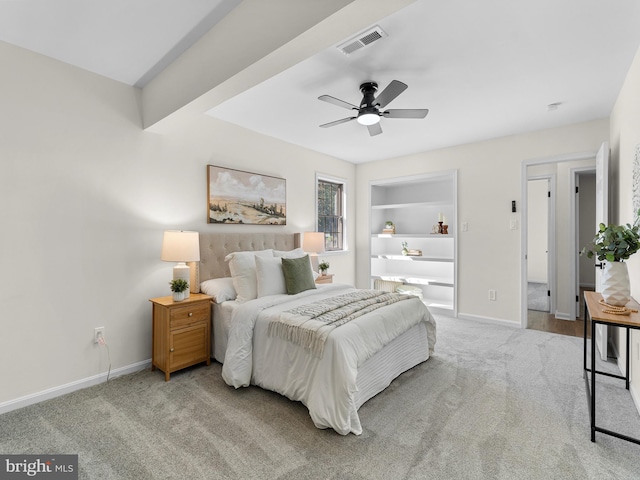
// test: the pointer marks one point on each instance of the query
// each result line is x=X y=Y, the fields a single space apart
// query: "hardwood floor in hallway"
x=546 y=322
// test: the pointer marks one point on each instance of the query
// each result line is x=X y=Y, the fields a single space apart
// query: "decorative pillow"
x=295 y=253
x=221 y=289
x=243 y=272
x=269 y=276
x=297 y=274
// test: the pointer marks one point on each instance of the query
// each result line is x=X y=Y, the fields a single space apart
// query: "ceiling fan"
x=369 y=112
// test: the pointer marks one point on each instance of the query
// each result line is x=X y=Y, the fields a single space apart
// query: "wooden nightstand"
x=328 y=278
x=181 y=332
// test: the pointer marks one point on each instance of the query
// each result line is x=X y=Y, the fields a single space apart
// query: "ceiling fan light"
x=368 y=118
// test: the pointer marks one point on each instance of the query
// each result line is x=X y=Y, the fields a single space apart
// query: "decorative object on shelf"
x=244 y=198
x=614 y=244
x=410 y=252
x=181 y=246
x=389 y=227
x=323 y=267
x=445 y=229
x=179 y=287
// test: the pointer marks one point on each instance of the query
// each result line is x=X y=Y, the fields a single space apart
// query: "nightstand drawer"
x=189 y=314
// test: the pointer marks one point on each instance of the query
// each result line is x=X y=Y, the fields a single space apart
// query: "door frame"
x=525 y=164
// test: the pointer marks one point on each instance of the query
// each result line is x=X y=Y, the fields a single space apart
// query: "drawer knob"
x=191 y=314
x=171 y=350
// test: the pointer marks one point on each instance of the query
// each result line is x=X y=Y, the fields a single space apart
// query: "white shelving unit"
x=414 y=204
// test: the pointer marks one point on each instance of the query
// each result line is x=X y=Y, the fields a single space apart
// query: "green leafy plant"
x=614 y=243
x=179 y=285
x=324 y=266
x=405 y=249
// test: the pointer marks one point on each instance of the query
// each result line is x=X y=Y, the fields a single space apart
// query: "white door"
x=602 y=216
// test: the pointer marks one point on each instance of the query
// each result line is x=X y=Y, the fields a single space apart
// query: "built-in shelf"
x=414 y=205
x=413 y=258
x=411 y=235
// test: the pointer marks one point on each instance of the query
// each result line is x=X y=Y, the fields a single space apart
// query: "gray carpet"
x=537 y=297
x=493 y=403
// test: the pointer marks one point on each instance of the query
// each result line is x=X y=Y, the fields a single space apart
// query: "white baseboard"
x=70 y=387
x=563 y=316
x=480 y=318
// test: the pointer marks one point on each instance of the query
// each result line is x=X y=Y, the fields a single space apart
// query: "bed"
x=257 y=338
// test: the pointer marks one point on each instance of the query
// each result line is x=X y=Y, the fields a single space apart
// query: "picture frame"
x=237 y=197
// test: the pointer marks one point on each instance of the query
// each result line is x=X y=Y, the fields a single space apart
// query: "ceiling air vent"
x=362 y=40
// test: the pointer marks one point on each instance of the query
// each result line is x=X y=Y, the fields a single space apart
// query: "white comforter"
x=326 y=385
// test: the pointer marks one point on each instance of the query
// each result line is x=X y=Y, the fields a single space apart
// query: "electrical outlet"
x=97 y=333
x=465 y=227
x=513 y=224
x=492 y=295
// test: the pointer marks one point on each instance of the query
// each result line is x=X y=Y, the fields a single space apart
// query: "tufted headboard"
x=215 y=246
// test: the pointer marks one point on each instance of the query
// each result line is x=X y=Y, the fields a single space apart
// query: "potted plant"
x=179 y=286
x=323 y=267
x=613 y=244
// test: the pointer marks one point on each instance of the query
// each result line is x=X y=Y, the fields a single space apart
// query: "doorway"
x=562 y=253
x=539 y=229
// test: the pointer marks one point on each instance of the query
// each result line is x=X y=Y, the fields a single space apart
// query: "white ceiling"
x=127 y=40
x=484 y=69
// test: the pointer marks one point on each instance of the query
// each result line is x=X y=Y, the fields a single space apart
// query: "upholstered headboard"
x=215 y=246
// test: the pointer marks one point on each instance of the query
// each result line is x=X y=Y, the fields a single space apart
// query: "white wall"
x=625 y=137
x=86 y=196
x=489 y=172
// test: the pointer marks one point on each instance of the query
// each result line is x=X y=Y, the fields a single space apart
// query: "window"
x=331 y=212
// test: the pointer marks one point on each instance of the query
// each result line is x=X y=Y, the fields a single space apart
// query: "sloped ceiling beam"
x=255 y=41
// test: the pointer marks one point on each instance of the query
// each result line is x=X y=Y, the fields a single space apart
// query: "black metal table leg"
x=593 y=381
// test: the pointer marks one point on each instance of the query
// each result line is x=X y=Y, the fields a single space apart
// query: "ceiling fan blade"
x=337 y=122
x=406 y=113
x=374 y=129
x=394 y=89
x=338 y=102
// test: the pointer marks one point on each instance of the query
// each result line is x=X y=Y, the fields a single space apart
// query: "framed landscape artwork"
x=237 y=197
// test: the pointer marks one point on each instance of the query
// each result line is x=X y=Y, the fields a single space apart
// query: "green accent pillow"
x=298 y=275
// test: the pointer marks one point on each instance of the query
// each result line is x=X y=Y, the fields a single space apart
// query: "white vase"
x=615 y=284
x=178 y=296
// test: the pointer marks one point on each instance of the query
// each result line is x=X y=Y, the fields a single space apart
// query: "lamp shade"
x=180 y=246
x=313 y=242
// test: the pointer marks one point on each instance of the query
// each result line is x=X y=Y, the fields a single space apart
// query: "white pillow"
x=269 y=276
x=296 y=253
x=243 y=272
x=221 y=289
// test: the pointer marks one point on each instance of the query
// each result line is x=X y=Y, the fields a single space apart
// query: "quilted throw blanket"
x=309 y=325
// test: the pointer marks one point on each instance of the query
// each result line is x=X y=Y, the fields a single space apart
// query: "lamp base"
x=182 y=270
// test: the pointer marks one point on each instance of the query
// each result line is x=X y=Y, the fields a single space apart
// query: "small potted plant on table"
x=323 y=267
x=179 y=287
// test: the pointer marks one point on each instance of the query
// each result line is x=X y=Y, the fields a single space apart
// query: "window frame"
x=321 y=177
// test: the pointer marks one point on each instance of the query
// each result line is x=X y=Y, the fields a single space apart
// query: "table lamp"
x=313 y=244
x=181 y=246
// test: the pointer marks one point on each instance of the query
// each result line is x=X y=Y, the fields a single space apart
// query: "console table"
x=594 y=311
